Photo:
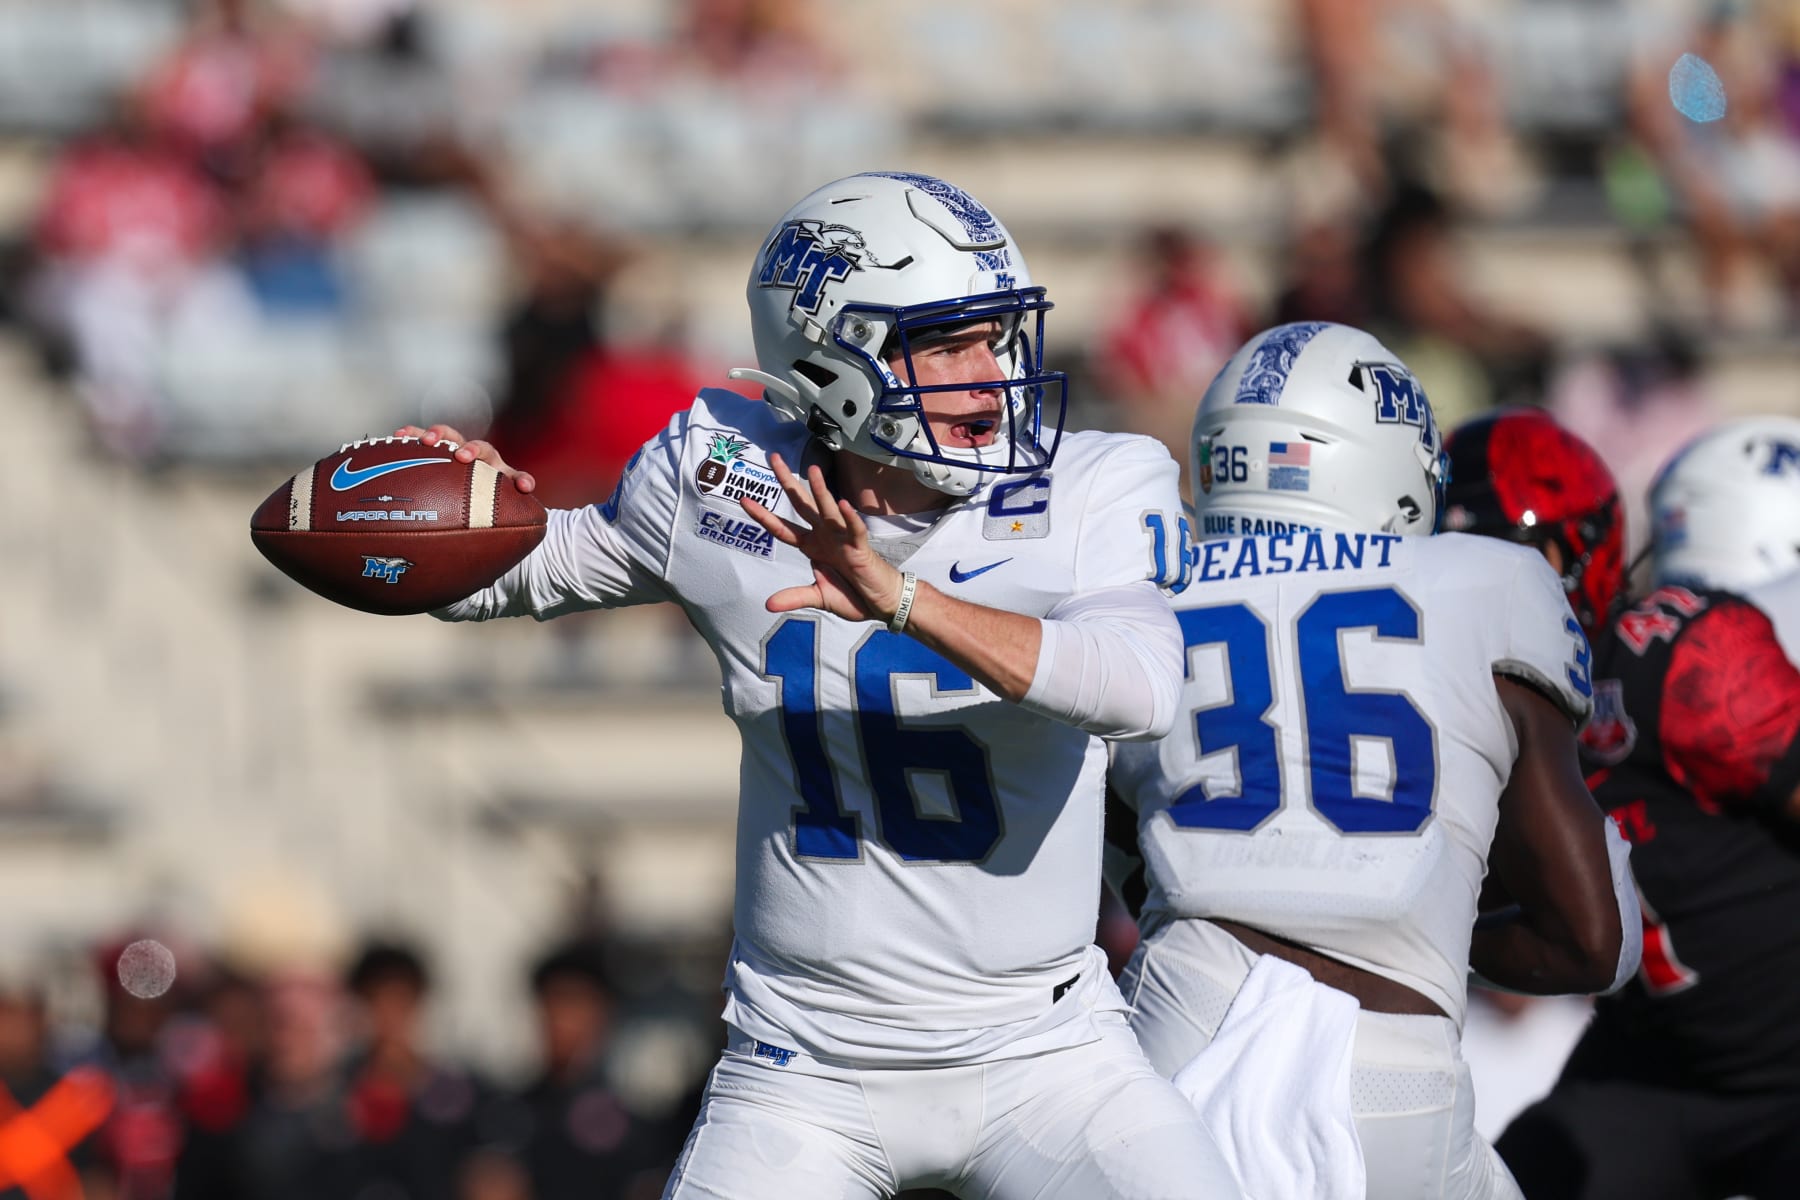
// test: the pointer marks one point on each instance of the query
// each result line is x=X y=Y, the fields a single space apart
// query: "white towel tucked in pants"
x=1409 y=1087
x=1273 y=1086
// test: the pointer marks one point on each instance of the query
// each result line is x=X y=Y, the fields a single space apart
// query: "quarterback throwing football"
x=929 y=606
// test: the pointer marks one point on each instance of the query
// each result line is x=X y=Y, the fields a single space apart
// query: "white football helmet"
x=1725 y=510
x=1320 y=426
x=851 y=277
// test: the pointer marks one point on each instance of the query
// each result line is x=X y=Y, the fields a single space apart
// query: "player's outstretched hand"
x=849 y=579
x=469 y=451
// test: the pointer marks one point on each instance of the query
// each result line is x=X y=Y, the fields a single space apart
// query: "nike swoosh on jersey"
x=960 y=576
x=344 y=478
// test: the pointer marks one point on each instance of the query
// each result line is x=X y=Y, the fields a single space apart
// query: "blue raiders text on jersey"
x=917 y=860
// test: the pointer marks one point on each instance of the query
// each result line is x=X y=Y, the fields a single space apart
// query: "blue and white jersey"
x=1335 y=777
x=917 y=860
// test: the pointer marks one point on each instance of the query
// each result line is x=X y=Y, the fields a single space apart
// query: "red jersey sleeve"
x=1731 y=710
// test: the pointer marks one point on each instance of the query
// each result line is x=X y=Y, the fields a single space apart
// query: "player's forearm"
x=1107 y=662
x=507 y=596
x=996 y=647
x=1523 y=958
x=569 y=571
x=1589 y=946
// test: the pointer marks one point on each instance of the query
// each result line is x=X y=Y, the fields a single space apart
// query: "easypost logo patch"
x=729 y=476
x=738 y=533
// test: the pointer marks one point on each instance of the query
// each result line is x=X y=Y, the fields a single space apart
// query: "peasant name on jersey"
x=1291 y=552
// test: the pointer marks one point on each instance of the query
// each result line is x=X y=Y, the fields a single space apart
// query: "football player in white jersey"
x=1373 y=721
x=930 y=606
x=1725 y=513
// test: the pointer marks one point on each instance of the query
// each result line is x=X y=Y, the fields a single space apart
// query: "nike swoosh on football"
x=344 y=478
x=959 y=576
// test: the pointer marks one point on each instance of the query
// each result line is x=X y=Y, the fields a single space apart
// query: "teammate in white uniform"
x=1725 y=513
x=922 y=674
x=1373 y=719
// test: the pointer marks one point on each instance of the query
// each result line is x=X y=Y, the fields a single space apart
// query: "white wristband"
x=909 y=584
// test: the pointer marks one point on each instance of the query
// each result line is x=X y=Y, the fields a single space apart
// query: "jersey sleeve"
x=1110 y=663
x=1545 y=648
x=607 y=555
x=1731 y=710
x=1133 y=525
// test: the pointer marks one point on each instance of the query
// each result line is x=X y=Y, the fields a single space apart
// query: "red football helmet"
x=1517 y=474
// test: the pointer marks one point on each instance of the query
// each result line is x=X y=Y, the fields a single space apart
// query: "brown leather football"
x=391 y=525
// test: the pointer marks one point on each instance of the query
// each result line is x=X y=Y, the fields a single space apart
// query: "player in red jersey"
x=1687 y=1083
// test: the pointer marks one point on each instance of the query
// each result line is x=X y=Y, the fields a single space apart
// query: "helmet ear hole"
x=820 y=377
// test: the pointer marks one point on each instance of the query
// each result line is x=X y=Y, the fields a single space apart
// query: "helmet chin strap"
x=954 y=481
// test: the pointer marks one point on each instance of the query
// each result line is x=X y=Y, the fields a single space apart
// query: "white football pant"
x=1081 y=1122
x=1410 y=1092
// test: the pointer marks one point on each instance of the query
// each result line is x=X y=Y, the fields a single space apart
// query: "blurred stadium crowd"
x=297 y=1083
x=235 y=233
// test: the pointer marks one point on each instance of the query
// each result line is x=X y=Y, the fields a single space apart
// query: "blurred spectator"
x=1408 y=76
x=551 y=329
x=578 y=403
x=47 y=1117
x=219 y=1057
x=140 y=255
x=141 y=1140
x=613 y=400
x=295 y=1139
x=1737 y=179
x=415 y=1120
x=121 y=193
x=578 y=1140
x=1323 y=276
x=380 y=84
x=1470 y=356
x=127 y=240
x=1170 y=336
x=307 y=195
x=1636 y=405
x=753 y=42
x=495 y=1175
x=351 y=21
x=210 y=96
